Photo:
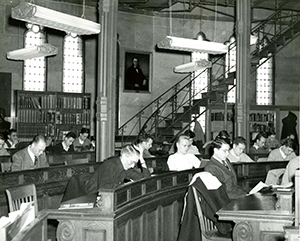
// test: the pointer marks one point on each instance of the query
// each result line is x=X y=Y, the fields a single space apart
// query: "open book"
x=262 y=185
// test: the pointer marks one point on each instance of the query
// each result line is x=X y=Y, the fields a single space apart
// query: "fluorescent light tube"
x=193 y=66
x=192 y=45
x=43 y=50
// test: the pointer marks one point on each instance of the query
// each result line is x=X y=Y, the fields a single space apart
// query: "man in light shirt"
x=284 y=153
x=32 y=156
x=236 y=153
x=182 y=160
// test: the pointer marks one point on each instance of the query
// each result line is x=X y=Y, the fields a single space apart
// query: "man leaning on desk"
x=221 y=168
x=112 y=173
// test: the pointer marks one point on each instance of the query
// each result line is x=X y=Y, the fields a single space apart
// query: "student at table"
x=236 y=153
x=284 y=153
x=32 y=156
x=82 y=142
x=114 y=172
x=182 y=160
x=66 y=146
x=221 y=168
x=259 y=144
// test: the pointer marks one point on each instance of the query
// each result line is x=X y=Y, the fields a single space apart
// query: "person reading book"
x=221 y=168
x=114 y=172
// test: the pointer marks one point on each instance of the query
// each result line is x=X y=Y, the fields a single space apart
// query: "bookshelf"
x=261 y=119
x=51 y=113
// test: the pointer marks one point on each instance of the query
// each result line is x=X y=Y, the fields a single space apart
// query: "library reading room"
x=149 y=120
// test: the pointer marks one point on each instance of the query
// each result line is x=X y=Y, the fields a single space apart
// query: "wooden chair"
x=22 y=194
x=208 y=229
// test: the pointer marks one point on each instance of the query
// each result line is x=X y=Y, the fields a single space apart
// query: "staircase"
x=171 y=113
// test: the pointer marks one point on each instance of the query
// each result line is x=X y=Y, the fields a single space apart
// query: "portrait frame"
x=145 y=65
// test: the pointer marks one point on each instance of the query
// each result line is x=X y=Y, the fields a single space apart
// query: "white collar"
x=65 y=147
x=32 y=156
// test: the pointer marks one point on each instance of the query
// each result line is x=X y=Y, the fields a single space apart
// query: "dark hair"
x=260 y=135
x=143 y=137
x=288 y=142
x=11 y=131
x=270 y=133
x=217 y=143
x=70 y=134
x=225 y=136
x=239 y=140
x=38 y=138
x=85 y=130
x=190 y=133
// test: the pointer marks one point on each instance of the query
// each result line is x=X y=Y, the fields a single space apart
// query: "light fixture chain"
x=83 y=9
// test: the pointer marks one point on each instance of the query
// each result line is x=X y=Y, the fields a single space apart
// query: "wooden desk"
x=256 y=218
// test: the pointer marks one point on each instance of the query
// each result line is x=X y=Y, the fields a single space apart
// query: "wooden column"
x=106 y=83
x=243 y=27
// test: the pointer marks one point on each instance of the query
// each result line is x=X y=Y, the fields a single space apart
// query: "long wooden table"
x=257 y=217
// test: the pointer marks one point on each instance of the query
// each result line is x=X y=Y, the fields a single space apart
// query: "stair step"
x=194 y=109
x=204 y=100
x=183 y=116
x=165 y=131
x=221 y=88
x=175 y=124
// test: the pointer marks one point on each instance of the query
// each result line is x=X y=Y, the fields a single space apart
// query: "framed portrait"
x=137 y=71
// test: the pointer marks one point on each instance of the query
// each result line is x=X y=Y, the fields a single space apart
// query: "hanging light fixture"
x=43 y=50
x=193 y=66
x=35 y=14
x=192 y=45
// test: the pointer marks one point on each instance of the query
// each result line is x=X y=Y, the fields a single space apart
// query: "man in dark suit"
x=135 y=79
x=32 y=156
x=65 y=146
x=221 y=168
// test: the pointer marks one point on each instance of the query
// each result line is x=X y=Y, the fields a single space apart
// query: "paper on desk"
x=258 y=187
x=210 y=181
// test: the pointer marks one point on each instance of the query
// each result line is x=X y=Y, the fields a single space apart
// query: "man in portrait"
x=135 y=79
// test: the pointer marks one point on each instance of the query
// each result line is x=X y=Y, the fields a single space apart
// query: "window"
x=230 y=64
x=73 y=64
x=35 y=68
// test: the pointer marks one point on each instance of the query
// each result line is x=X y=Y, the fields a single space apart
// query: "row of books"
x=31 y=130
x=54 y=102
x=220 y=116
x=261 y=117
x=40 y=116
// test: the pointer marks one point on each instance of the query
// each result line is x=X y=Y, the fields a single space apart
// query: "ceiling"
x=191 y=8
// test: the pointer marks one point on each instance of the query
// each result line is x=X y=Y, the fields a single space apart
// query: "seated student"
x=259 y=144
x=82 y=142
x=65 y=145
x=193 y=149
x=12 y=140
x=32 y=156
x=284 y=153
x=112 y=173
x=271 y=142
x=3 y=151
x=142 y=145
x=221 y=168
x=236 y=153
x=290 y=170
x=182 y=160
x=208 y=149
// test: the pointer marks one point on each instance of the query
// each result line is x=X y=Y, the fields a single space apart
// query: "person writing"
x=32 y=156
x=182 y=160
x=259 y=144
x=82 y=142
x=221 y=168
x=284 y=153
x=112 y=173
x=65 y=145
x=143 y=144
x=12 y=139
x=236 y=153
